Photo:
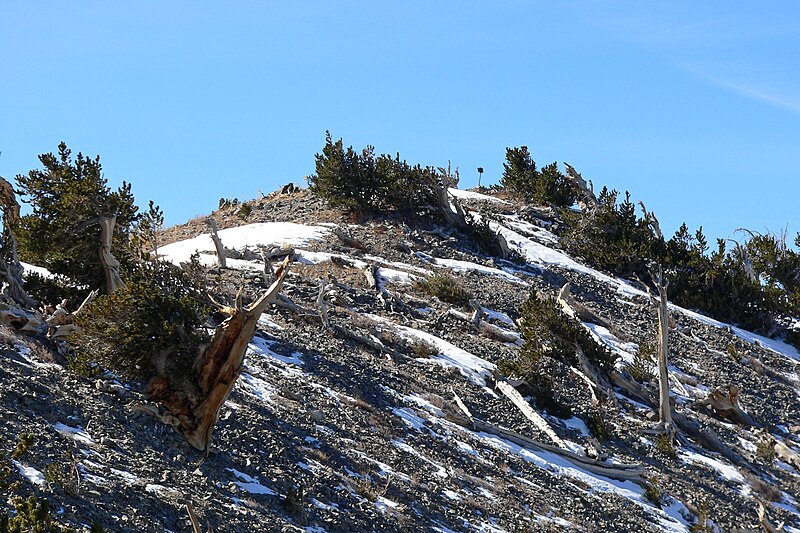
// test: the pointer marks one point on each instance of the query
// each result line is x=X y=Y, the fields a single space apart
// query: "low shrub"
x=446 y=288
x=150 y=326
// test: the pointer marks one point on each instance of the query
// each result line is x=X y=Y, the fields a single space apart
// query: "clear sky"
x=692 y=106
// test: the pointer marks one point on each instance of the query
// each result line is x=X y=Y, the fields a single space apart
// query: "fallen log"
x=619 y=471
x=526 y=409
x=725 y=402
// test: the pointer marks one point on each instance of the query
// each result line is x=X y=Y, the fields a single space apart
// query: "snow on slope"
x=471 y=195
x=250 y=235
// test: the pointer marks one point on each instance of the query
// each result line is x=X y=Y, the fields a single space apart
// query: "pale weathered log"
x=766 y=523
x=217 y=242
x=725 y=401
x=449 y=207
x=706 y=437
x=623 y=472
x=347 y=239
x=782 y=451
x=586 y=198
x=107 y=259
x=526 y=409
x=216 y=369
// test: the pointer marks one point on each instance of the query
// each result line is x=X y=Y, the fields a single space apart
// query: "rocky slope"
x=323 y=433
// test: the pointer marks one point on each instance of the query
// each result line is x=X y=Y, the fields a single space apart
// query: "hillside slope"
x=324 y=433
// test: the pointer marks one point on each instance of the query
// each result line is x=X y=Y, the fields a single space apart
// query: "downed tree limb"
x=370 y=342
x=623 y=472
x=347 y=239
x=526 y=409
x=705 y=436
x=781 y=450
x=216 y=369
x=217 y=242
x=725 y=401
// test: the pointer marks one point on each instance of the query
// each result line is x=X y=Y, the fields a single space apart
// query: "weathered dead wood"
x=664 y=406
x=193 y=519
x=623 y=472
x=485 y=328
x=107 y=259
x=725 y=401
x=578 y=310
x=217 y=242
x=447 y=204
x=371 y=342
x=10 y=268
x=706 y=437
x=526 y=409
x=782 y=451
x=766 y=523
x=215 y=369
x=586 y=198
x=347 y=239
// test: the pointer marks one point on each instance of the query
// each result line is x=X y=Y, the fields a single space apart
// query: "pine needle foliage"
x=64 y=195
x=149 y=327
x=362 y=181
x=545 y=186
x=548 y=331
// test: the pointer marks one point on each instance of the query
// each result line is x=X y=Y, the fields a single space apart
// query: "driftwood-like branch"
x=652 y=222
x=109 y=262
x=347 y=239
x=526 y=409
x=766 y=523
x=782 y=451
x=705 y=436
x=623 y=472
x=725 y=401
x=586 y=198
x=217 y=242
x=216 y=369
x=447 y=205
x=664 y=406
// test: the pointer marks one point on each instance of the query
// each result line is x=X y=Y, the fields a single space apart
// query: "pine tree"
x=65 y=195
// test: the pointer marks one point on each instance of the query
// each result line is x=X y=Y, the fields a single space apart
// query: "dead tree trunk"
x=217 y=242
x=10 y=267
x=586 y=198
x=216 y=369
x=664 y=407
x=109 y=262
x=451 y=209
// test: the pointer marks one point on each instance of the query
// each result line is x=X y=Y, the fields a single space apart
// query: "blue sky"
x=692 y=106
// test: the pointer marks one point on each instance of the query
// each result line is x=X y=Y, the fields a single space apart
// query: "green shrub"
x=643 y=367
x=548 y=331
x=446 y=288
x=366 y=182
x=548 y=186
x=148 y=327
x=245 y=210
x=599 y=423
x=64 y=196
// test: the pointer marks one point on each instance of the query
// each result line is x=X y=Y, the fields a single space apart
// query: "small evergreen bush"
x=150 y=326
x=546 y=186
x=446 y=288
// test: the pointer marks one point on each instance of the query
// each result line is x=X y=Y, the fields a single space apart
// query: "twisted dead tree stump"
x=193 y=407
x=10 y=267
